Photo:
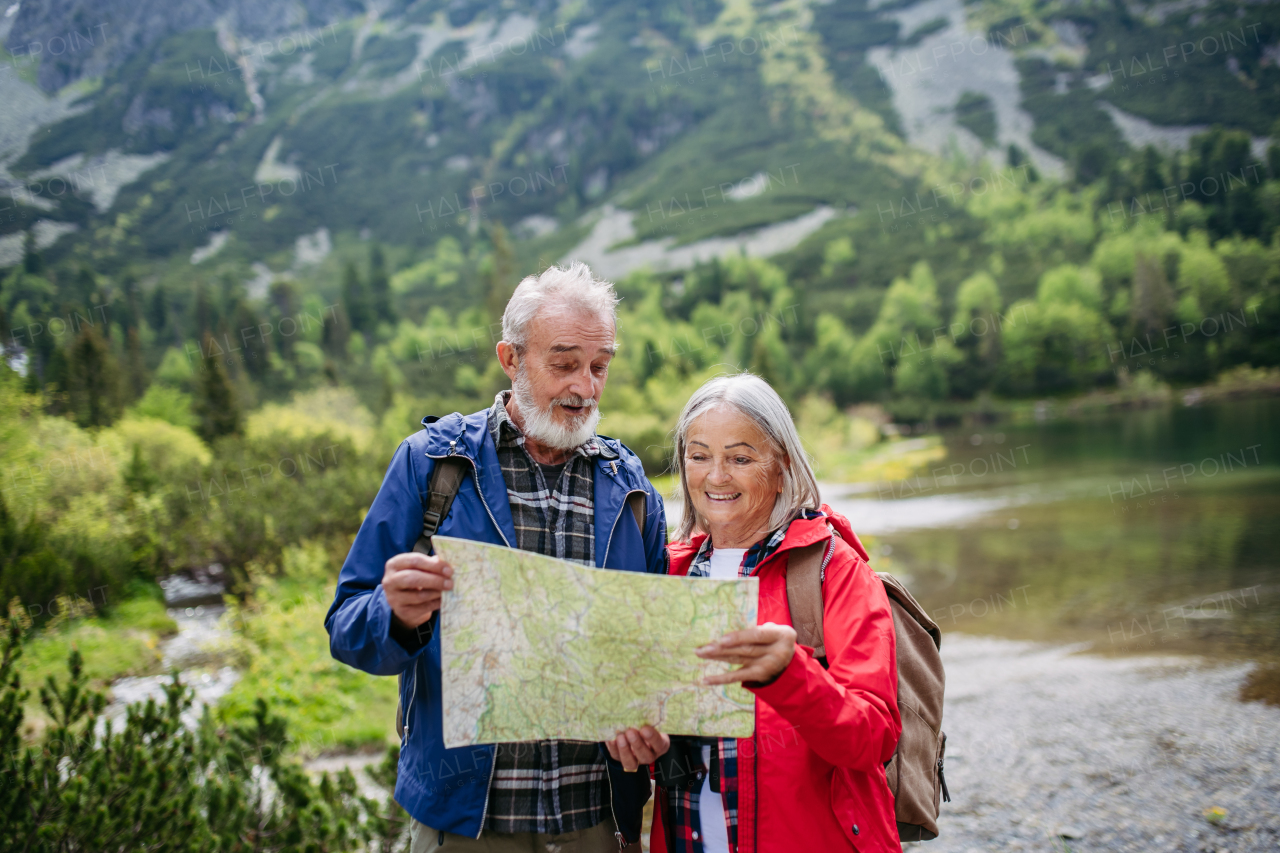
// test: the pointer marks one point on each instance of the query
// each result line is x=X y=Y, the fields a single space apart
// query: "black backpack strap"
x=446 y=479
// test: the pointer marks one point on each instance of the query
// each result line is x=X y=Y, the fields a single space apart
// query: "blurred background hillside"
x=1010 y=263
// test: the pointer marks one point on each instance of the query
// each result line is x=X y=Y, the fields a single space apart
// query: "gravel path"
x=1052 y=750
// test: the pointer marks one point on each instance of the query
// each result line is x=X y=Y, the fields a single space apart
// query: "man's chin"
x=571 y=431
x=568 y=421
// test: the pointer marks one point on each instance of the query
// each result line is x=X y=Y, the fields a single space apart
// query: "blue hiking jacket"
x=448 y=789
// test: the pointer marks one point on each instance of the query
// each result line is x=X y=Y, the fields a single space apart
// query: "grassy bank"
x=283 y=651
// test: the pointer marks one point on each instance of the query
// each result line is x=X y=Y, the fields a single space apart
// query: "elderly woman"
x=811 y=778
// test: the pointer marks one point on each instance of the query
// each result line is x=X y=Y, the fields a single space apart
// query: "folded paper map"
x=534 y=648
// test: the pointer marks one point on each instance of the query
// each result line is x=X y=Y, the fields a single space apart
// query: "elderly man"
x=537 y=478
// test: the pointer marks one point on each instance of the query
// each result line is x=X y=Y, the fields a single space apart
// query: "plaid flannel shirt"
x=686 y=822
x=554 y=786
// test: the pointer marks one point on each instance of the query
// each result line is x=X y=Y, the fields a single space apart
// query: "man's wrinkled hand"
x=634 y=747
x=414 y=584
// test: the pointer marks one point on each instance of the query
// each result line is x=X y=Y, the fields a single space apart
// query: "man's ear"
x=509 y=358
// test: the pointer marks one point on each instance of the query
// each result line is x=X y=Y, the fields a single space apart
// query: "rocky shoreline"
x=1049 y=749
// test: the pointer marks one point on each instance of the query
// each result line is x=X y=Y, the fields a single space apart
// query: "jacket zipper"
x=493 y=768
x=475 y=475
x=617 y=834
x=617 y=827
x=413 y=693
x=826 y=558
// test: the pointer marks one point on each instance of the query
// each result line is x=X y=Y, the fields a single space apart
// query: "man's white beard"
x=540 y=424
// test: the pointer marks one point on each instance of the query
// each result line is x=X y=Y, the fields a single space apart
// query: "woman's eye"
x=742 y=460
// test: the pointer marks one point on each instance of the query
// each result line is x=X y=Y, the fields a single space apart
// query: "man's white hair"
x=574 y=288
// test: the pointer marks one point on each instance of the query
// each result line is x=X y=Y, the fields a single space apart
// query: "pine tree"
x=284 y=301
x=379 y=286
x=355 y=299
x=135 y=365
x=132 y=312
x=32 y=261
x=334 y=334
x=157 y=309
x=215 y=400
x=84 y=286
x=50 y=371
x=204 y=314
x=254 y=343
x=93 y=380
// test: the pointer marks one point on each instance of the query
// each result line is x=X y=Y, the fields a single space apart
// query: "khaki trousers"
x=597 y=839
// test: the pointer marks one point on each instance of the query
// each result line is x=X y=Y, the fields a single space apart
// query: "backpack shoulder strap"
x=638 y=504
x=446 y=479
x=804 y=593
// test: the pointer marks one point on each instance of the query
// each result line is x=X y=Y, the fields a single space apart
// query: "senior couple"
x=811 y=777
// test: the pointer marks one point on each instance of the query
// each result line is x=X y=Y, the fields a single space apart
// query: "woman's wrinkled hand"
x=763 y=653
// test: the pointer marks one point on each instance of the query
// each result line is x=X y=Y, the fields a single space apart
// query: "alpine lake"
x=1143 y=531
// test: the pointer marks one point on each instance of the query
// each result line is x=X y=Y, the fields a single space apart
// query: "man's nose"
x=585 y=384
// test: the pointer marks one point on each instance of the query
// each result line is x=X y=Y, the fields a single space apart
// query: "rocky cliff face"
x=78 y=38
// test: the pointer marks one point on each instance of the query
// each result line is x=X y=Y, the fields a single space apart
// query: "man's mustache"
x=574 y=401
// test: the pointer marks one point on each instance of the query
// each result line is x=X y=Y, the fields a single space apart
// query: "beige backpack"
x=915 y=771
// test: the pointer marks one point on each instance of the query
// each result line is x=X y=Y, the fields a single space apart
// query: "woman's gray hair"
x=755 y=399
x=572 y=287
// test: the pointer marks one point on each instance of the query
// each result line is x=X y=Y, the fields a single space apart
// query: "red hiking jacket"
x=811 y=778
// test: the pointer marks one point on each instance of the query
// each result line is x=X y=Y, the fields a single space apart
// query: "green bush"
x=156 y=784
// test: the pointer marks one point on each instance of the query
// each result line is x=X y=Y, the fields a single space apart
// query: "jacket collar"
x=800 y=533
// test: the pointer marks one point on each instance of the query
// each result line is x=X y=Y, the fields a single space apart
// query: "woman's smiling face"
x=733 y=475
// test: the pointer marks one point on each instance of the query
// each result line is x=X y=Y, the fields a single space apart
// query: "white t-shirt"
x=725 y=563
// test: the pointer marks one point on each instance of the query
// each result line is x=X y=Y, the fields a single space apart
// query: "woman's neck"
x=740 y=535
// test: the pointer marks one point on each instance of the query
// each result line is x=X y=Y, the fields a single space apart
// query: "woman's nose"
x=719 y=472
